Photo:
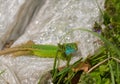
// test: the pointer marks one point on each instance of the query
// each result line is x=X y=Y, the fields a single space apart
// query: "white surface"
x=15 y=15
x=58 y=17
x=8 y=11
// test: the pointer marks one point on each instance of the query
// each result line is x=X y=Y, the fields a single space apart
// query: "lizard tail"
x=13 y=50
x=20 y=53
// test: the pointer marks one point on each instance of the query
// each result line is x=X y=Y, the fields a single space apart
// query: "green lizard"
x=64 y=50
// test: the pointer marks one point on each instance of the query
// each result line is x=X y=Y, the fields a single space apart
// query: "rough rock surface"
x=15 y=16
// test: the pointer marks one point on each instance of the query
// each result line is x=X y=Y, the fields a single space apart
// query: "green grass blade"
x=107 y=43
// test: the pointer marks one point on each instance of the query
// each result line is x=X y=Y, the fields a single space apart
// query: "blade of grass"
x=72 y=74
x=117 y=69
x=55 y=66
x=116 y=59
x=99 y=8
x=61 y=77
x=118 y=74
x=68 y=68
x=107 y=43
x=111 y=69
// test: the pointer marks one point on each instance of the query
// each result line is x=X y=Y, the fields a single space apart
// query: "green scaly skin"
x=45 y=51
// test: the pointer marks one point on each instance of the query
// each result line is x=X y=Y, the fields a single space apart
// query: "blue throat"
x=69 y=50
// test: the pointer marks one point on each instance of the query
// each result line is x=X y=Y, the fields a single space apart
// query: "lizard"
x=63 y=51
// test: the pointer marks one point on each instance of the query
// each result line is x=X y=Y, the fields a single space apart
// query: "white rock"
x=15 y=16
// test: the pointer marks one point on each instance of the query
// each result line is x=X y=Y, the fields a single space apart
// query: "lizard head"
x=67 y=49
x=70 y=48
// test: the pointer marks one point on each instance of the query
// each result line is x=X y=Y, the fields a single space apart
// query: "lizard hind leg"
x=21 y=53
x=30 y=42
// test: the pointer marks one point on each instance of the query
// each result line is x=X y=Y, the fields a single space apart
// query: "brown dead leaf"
x=84 y=66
